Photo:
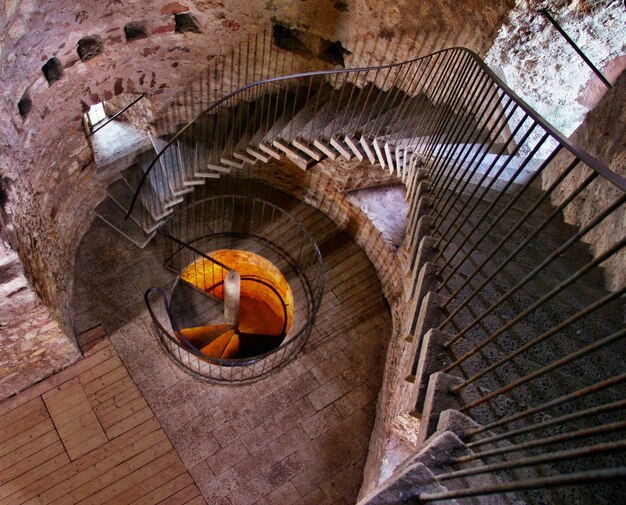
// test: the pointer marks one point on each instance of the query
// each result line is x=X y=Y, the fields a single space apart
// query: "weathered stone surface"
x=602 y=135
x=545 y=71
x=32 y=344
x=456 y=422
x=406 y=487
x=386 y=208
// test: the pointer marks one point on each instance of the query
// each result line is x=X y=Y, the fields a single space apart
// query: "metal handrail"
x=548 y=15
x=593 y=163
x=193 y=249
x=116 y=115
x=315 y=286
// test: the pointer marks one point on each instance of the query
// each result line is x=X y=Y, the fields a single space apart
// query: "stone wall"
x=32 y=344
x=540 y=66
x=603 y=135
x=157 y=48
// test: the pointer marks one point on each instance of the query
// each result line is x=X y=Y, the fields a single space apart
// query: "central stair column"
x=232 y=291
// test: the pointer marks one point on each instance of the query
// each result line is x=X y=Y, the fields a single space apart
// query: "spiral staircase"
x=514 y=346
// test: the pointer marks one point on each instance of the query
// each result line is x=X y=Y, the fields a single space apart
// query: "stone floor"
x=299 y=436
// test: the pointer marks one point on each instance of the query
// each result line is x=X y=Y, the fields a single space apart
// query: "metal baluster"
x=440 y=207
x=488 y=187
x=455 y=223
x=556 y=212
x=463 y=71
x=582 y=271
x=544 y=407
x=541 y=338
x=438 y=82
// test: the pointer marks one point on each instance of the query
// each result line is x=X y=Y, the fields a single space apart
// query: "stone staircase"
x=512 y=335
x=566 y=358
x=349 y=122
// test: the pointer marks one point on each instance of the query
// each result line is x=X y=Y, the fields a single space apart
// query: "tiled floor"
x=299 y=436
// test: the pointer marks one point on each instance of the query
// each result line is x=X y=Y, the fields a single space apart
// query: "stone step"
x=544 y=496
x=219 y=139
x=305 y=114
x=238 y=125
x=298 y=157
x=121 y=193
x=258 y=154
x=308 y=149
x=114 y=216
x=546 y=387
x=148 y=196
x=172 y=166
x=267 y=113
x=486 y=233
x=330 y=114
x=575 y=336
x=353 y=144
x=257 y=120
x=326 y=148
x=280 y=108
x=203 y=135
x=184 y=154
x=162 y=178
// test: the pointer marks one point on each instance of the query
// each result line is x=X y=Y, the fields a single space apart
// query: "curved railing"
x=499 y=280
x=435 y=71
x=249 y=224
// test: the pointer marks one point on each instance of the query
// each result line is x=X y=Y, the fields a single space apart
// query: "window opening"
x=95 y=115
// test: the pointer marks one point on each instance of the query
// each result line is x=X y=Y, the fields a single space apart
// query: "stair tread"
x=121 y=193
x=293 y=128
x=330 y=115
x=112 y=214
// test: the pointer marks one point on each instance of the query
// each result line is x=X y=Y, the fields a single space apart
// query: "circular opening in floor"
x=210 y=244
x=265 y=305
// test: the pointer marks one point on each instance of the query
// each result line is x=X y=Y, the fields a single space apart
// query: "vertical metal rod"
x=553 y=292
x=546 y=406
x=439 y=84
x=488 y=187
x=541 y=338
x=487 y=172
x=545 y=12
x=468 y=71
x=447 y=155
x=487 y=212
x=556 y=212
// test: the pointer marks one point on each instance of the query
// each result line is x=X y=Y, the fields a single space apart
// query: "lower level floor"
x=126 y=425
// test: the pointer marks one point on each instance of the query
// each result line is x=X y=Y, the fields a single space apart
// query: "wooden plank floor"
x=87 y=436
